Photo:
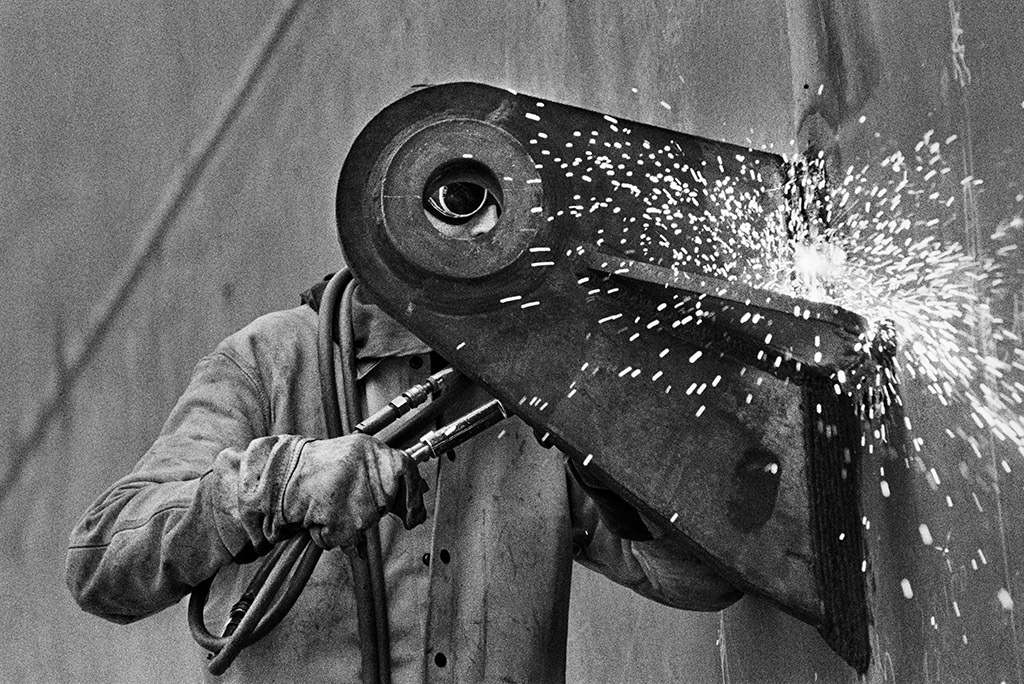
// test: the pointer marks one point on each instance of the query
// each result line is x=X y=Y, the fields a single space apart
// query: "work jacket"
x=479 y=593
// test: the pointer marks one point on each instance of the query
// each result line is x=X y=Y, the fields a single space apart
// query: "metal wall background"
x=99 y=104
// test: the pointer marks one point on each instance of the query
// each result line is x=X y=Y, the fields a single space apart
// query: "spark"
x=1005 y=600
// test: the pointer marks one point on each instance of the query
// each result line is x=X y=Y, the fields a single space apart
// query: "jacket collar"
x=378 y=335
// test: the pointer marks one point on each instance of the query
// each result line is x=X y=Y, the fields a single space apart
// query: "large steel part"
x=604 y=308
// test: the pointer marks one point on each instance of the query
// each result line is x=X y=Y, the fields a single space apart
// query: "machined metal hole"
x=462 y=199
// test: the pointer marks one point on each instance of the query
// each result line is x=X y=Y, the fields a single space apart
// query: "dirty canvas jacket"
x=477 y=594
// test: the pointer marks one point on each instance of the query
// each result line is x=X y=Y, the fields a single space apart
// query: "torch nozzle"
x=436 y=442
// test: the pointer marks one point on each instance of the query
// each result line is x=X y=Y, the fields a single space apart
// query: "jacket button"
x=440 y=659
x=445 y=556
x=426 y=559
x=416 y=362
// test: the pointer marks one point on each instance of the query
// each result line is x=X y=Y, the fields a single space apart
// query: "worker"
x=477 y=593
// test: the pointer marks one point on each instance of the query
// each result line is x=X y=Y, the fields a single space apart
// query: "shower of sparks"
x=877 y=252
x=882 y=259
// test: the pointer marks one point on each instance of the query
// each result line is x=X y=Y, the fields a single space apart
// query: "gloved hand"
x=334 y=488
x=342 y=486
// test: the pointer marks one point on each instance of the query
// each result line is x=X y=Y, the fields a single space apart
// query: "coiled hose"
x=260 y=608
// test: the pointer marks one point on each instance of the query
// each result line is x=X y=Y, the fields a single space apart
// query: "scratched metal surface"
x=99 y=102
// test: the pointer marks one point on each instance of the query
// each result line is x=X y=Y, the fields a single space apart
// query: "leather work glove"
x=342 y=486
x=334 y=488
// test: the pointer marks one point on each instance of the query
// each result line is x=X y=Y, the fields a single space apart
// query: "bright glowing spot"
x=818 y=261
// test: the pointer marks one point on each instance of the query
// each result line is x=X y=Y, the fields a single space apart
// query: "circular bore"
x=446 y=153
x=463 y=199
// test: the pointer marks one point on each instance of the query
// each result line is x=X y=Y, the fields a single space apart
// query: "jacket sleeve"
x=170 y=524
x=650 y=563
